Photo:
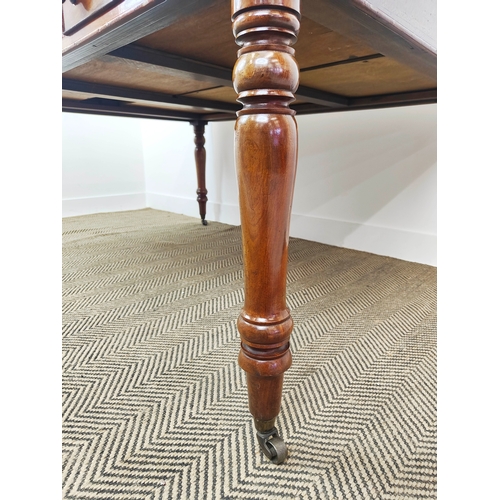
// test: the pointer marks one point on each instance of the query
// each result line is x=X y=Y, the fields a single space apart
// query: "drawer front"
x=79 y=13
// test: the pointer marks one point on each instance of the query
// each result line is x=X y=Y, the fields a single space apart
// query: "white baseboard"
x=397 y=243
x=400 y=244
x=228 y=214
x=175 y=204
x=97 y=204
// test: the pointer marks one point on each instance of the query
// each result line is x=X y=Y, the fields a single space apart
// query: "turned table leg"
x=200 y=159
x=265 y=76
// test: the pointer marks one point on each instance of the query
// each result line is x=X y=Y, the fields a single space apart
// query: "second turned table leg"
x=200 y=160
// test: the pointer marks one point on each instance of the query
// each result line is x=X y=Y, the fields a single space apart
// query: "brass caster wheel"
x=273 y=446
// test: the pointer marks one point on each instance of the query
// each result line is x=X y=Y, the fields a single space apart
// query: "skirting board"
x=397 y=243
x=97 y=204
x=228 y=214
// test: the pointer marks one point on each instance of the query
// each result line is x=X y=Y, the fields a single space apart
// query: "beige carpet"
x=154 y=403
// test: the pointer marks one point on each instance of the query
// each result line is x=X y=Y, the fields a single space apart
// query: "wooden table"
x=173 y=60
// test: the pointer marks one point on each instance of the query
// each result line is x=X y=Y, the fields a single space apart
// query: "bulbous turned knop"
x=266 y=69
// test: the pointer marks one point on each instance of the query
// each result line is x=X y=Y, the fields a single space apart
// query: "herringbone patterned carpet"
x=155 y=405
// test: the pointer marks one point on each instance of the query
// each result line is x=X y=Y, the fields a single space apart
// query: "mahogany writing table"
x=177 y=60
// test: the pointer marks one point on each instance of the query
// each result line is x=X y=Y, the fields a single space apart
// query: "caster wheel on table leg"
x=273 y=446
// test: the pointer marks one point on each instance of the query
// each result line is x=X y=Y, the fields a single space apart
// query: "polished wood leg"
x=265 y=76
x=200 y=159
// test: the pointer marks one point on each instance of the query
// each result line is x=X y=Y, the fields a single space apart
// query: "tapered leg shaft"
x=265 y=77
x=200 y=160
x=265 y=158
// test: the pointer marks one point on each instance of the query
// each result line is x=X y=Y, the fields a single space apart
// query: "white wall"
x=102 y=164
x=366 y=179
x=169 y=166
x=171 y=174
